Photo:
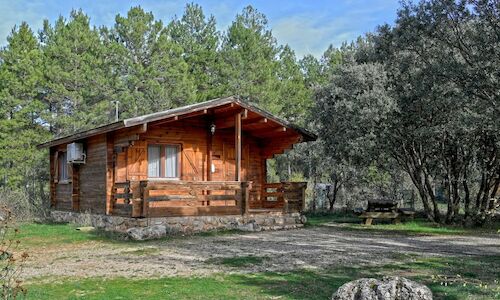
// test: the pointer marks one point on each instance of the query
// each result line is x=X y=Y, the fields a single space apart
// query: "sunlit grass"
x=417 y=226
x=32 y=234
x=448 y=278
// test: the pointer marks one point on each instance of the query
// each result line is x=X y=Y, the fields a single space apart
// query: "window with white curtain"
x=63 y=167
x=163 y=161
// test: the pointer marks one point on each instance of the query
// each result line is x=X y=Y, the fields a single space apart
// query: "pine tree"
x=77 y=82
x=150 y=64
x=294 y=98
x=249 y=51
x=199 y=39
x=21 y=110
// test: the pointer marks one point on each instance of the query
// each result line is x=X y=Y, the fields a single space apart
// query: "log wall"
x=191 y=135
x=85 y=191
x=121 y=157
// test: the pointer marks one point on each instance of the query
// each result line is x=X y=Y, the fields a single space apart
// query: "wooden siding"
x=63 y=196
x=89 y=193
x=191 y=135
x=121 y=157
x=131 y=165
x=93 y=176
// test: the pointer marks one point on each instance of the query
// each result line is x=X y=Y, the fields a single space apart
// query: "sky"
x=309 y=27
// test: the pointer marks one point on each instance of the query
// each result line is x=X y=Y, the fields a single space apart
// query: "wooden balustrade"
x=121 y=197
x=168 y=198
x=164 y=198
x=191 y=198
x=289 y=196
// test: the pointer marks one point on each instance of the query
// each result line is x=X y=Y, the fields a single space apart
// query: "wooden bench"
x=368 y=216
x=384 y=209
x=407 y=213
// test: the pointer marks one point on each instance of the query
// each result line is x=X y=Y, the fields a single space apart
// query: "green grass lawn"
x=449 y=277
x=36 y=235
x=418 y=226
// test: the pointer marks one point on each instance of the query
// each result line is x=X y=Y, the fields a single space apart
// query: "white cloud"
x=309 y=35
x=313 y=32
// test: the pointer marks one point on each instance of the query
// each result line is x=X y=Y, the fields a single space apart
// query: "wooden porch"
x=172 y=198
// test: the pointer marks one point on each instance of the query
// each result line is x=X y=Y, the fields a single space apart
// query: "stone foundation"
x=150 y=228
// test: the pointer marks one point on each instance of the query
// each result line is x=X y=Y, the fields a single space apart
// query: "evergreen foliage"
x=420 y=98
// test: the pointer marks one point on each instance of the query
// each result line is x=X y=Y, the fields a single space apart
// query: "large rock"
x=147 y=233
x=389 y=288
x=250 y=226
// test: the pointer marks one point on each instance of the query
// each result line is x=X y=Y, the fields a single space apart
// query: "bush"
x=10 y=261
x=22 y=207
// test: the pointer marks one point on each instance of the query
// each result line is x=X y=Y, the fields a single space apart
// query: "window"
x=62 y=166
x=163 y=161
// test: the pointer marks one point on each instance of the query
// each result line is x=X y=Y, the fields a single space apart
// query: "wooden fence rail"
x=169 y=198
x=191 y=198
x=289 y=196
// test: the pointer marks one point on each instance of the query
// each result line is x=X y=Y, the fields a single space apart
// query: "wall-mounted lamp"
x=212 y=128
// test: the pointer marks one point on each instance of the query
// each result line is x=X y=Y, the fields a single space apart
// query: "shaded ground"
x=310 y=248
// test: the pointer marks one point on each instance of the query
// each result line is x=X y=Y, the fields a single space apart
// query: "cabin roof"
x=177 y=112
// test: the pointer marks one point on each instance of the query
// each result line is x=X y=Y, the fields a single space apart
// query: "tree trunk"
x=315 y=181
x=417 y=181
x=332 y=194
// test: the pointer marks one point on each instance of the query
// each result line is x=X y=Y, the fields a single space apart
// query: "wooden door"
x=230 y=162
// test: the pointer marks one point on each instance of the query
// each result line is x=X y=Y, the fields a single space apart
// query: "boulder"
x=174 y=229
x=389 y=288
x=303 y=219
x=147 y=233
x=246 y=227
x=250 y=226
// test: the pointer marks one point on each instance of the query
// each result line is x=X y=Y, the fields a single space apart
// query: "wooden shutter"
x=121 y=167
x=190 y=169
x=137 y=161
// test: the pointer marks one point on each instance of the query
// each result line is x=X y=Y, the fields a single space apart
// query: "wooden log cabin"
x=206 y=159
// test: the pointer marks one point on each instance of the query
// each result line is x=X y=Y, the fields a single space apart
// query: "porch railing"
x=159 y=198
x=289 y=196
x=165 y=198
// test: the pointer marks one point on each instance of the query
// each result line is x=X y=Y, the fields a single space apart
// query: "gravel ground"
x=310 y=247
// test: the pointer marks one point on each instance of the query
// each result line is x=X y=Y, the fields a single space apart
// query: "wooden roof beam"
x=180 y=117
x=268 y=131
x=229 y=122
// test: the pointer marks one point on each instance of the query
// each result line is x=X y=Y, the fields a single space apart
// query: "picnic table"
x=385 y=209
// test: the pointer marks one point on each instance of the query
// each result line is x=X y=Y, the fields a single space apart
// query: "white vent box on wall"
x=75 y=153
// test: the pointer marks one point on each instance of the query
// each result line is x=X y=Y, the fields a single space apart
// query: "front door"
x=230 y=162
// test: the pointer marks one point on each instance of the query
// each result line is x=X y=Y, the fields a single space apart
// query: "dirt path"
x=313 y=247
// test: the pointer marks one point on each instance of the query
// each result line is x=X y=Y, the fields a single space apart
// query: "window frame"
x=63 y=166
x=163 y=160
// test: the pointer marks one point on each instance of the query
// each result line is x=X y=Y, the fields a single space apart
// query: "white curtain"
x=154 y=156
x=63 y=166
x=171 y=153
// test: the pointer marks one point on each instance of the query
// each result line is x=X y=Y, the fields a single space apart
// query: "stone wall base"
x=150 y=228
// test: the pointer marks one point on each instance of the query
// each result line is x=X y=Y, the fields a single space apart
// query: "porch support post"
x=245 y=197
x=210 y=138
x=237 y=146
x=109 y=173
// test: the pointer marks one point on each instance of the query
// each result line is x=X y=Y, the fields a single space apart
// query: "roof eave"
x=307 y=135
x=83 y=134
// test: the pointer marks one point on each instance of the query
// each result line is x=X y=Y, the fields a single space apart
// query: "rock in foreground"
x=389 y=288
